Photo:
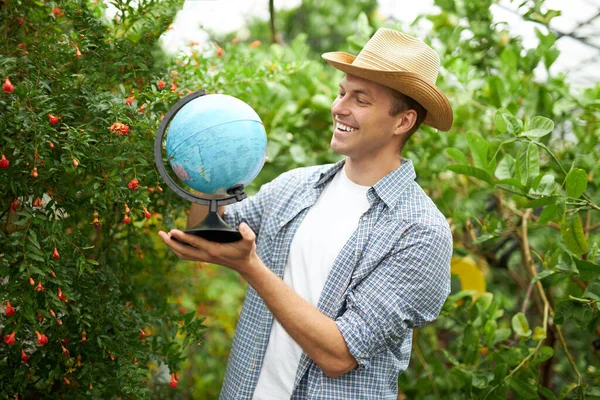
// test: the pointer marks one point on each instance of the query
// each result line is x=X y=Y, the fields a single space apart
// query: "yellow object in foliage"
x=469 y=273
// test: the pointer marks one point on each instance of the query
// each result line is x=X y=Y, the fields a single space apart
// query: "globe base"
x=213 y=228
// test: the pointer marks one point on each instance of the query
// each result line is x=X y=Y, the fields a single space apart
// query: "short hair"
x=401 y=102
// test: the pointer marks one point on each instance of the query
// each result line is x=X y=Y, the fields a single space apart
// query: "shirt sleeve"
x=407 y=290
x=251 y=209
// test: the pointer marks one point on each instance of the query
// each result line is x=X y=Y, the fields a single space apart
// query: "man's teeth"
x=343 y=127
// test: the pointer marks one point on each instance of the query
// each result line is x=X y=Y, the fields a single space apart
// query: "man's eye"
x=360 y=101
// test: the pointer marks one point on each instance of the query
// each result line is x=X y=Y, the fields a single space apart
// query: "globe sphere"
x=215 y=142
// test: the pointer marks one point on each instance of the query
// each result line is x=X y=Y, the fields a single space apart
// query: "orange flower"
x=174 y=381
x=53 y=119
x=8 y=87
x=61 y=296
x=77 y=52
x=24 y=356
x=133 y=184
x=254 y=44
x=55 y=254
x=219 y=50
x=39 y=287
x=9 y=310
x=160 y=84
x=41 y=338
x=120 y=128
x=129 y=100
x=10 y=339
x=4 y=162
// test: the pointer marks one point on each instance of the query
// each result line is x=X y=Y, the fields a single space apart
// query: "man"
x=343 y=261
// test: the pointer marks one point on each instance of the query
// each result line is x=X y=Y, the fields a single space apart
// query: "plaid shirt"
x=393 y=275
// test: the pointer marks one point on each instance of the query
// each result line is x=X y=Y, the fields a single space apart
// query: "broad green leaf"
x=547 y=393
x=363 y=26
x=479 y=149
x=470 y=345
x=587 y=270
x=576 y=182
x=539 y=127
x=298 y=154
x=456 y=154
x=543 y=354
x=496 y=90
x=572 y=235
x=484 y=301
x=542 y=201
x=506 y=168
x=501 y=334
x=592 y=291
x=563 y=312
x=520 y=325
x=528 y=163
x=471 y=171
x=489 y=333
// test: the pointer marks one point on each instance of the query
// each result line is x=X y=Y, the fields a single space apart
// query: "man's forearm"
x=317 y=334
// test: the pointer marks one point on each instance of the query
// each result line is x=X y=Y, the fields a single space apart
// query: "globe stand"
x=213 y=227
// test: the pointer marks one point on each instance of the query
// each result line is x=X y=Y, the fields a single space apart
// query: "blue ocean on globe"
x=215 y=142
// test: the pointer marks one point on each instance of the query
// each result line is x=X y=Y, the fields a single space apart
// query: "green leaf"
x=520 y=325
x=513 y=125
x=547 y=185
x=528 y=163
x=298 y=154
x=457 y=155
x=471 y=171
x=364 y=29
x=489 y=333
x=506 y=168
x=539 y=127
x=587 y=270
x=543 y=354
x=500 y=124
x=592 y=291
x=501 y=334
x=479 y=149
x=576 y=182
x=539 y=333
x=470 y=347
x=543 y=274
x=523 y=389
x=572 y=235
x=563 y=312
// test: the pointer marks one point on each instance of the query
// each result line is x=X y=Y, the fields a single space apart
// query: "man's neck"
x=367 y=172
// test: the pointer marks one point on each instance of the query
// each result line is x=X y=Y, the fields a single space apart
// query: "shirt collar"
x=388 y=189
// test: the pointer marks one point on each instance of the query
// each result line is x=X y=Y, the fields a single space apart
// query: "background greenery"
x=517 y=177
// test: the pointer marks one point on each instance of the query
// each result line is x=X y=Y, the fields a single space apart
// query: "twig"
x=425 y=367
x=530 y=264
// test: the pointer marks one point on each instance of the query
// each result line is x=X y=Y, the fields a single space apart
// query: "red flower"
x=10 y=310
x=129 y=100
x=65 y=351
x=8 y=87
x=235 y=40
x=34 y=173
x=219 y=50
x=57 y=12
x=52 y=273
x=41 y=338
x=55 y=255
x=119 y=128
x=51 y=145
x=37 y=202
x=174 y=381
x=142 y=334
x=52 y=313
x=31 y=281
x=256 y=43
x=77 y=52
x=126 y=219
x=147 y=214
x=133 y=184
x=173 y=87
x=4 y=162
x=14 y=205
x=75 y=162
x=67 y=381
x=10 y=339
x=53 y=119
x=39 y=287
x=61 y=296
x=160 y=84
x=24 y=356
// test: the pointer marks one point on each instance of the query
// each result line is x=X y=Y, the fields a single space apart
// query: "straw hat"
x=403 y=63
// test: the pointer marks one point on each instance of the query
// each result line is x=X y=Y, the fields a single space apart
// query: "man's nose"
x=340 y=106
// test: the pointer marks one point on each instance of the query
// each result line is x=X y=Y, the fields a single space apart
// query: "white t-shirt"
x=320 y=237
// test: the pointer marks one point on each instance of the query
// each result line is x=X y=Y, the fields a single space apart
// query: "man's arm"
x=317 y=334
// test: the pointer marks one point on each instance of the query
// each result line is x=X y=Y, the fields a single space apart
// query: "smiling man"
x=343 y=261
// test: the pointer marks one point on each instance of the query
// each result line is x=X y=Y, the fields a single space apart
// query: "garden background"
x=92 y=304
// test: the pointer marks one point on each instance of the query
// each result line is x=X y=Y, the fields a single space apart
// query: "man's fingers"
x=247 y=232
x=184 y=250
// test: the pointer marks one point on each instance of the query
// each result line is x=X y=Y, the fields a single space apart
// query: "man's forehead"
x=360 y=84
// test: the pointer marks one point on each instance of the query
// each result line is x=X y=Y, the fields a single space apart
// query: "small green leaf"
x=523 y=389
x=500 y=124
x=501 y=334
x=543 y=354
x=543 y=274
x=576 y=182
x=506 y=168
x=573 y=236
x=479 y=149
x=471 y=171
x=547 y=185
x=587 y=270
x=539 y=127
x=489 y=333
x=513 y=125
x=528 y=163
x=592 y=291
x=563 y=312
x=298 y=154
x=520 y=325
x=456 y=154
x=539 y=333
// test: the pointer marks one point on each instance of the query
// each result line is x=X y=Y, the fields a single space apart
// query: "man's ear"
x=406 y=120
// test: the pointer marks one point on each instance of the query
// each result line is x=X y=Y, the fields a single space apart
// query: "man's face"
x=363 y=128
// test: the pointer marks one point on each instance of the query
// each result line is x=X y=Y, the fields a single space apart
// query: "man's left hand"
x=239 y=256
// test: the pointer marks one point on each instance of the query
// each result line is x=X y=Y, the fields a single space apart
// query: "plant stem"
x=425 y=366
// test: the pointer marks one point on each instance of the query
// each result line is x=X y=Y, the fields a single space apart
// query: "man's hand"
x=239 y=256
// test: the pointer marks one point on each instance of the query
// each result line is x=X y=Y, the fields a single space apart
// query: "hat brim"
x=439 y=110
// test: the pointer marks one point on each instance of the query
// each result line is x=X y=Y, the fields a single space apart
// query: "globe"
x=215 y=142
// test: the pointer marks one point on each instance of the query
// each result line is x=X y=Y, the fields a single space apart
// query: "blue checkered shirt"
x=393 y=275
